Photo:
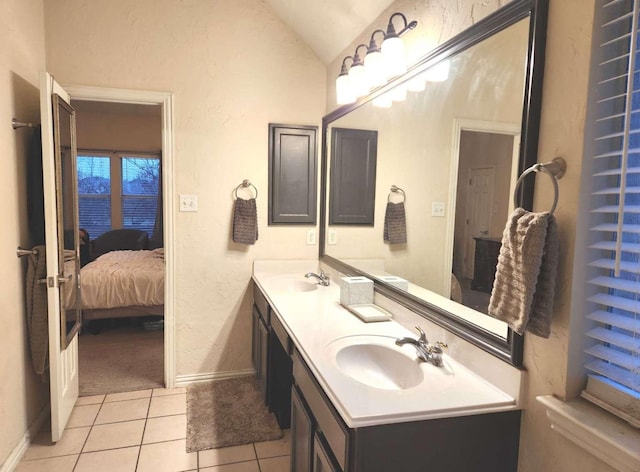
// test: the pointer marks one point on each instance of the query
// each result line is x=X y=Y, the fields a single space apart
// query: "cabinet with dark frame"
x=322 y=441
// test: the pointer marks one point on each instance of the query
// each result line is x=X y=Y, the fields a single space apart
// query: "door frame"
x=460 y=125
x=165 y=99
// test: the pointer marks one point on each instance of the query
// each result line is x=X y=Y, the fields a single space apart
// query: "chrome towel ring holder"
x=554 y=169
x=245 y=184
x=396 y=189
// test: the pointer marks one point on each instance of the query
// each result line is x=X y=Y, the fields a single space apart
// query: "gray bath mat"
x=228 y=412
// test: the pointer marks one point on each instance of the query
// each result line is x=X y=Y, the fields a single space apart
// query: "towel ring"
x=245 y=184
x=396 y=189
x=554 y=169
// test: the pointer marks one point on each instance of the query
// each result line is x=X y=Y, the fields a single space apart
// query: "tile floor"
x=143 y=431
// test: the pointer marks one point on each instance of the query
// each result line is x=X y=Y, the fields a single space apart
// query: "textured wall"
x=561 y=134
x=22 y=394
x=233 y=67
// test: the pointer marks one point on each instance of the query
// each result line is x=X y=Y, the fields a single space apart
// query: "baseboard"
x=16 y=455
x=184 y=380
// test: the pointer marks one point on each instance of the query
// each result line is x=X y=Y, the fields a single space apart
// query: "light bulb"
x=374 y=65
x=358 y=80
x=393 y=52
x=344 y=93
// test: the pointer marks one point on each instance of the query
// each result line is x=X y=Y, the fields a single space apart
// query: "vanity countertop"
x=316 y=322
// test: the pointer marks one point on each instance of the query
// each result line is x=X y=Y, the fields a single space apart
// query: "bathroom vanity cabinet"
x=270 y=355
x=323 y=441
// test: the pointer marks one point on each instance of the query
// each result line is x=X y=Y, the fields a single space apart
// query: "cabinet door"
x=263 y=336
x=301 y=434
x=255 y=341
x=321 y=459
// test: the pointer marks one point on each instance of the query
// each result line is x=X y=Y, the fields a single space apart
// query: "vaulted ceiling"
x=328 y=26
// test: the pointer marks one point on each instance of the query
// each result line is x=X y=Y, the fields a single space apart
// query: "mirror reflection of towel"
x=395 y=224
x=524 y=286
x=245 y=221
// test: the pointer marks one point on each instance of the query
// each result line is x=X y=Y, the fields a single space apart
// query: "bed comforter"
x=123 y=278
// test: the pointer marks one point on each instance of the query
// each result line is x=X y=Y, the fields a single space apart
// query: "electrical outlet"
x=332 y=237
x=188 y=202
x=437 y=208
x=311 y=237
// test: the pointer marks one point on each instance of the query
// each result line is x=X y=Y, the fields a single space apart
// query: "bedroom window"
x=117 y=190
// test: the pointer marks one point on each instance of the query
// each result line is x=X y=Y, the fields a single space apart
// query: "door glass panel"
x=68 y=232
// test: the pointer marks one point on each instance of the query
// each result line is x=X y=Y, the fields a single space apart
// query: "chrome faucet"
x=431 y=353
x=323 y=279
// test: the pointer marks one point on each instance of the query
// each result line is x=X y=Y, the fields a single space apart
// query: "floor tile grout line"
x=84 y=444
x=144 y=429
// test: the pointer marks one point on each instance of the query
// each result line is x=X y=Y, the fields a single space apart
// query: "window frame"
x=115 y=168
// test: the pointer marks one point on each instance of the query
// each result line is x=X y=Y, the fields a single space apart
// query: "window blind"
x=613 y=350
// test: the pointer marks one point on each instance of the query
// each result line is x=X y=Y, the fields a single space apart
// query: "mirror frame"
x=511 y=349
x=59 y=103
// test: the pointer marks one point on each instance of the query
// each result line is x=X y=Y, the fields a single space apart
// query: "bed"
x=124 y=279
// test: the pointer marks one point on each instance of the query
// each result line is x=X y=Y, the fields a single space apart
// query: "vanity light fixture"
x=344 y=91
x=358 y=77
x=392 y=47
x=378 y=66
x=374 y=63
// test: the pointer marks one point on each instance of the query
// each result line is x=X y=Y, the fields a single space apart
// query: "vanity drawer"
x=326 y=418
x=262 y=304
x=281 y=334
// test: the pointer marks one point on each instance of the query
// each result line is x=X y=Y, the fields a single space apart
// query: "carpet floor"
x=121 y=359
x=228 y=412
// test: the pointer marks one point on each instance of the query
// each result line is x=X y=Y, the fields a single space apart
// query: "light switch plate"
x=311 y=237
x=437 y=208
x=188 y=202
x=332 y=237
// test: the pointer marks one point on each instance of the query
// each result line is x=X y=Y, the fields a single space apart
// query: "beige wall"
x=22 y=393
x=233 y=67
x=561 y=134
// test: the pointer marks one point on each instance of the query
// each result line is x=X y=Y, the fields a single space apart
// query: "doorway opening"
x=487 y=161
x=124 y=187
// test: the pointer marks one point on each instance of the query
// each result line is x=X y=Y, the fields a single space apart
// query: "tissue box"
x=356 y=291
x=398 y=282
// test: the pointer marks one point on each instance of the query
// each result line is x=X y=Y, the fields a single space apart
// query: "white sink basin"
x=379 y=366
x=376 y=361
x=301 y=286
x=294 y=284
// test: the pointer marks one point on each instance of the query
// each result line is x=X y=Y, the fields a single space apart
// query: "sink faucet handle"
x=423 y=336
x=442 y=345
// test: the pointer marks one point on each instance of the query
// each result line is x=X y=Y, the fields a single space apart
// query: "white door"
x=479 y=210
x=61 y=232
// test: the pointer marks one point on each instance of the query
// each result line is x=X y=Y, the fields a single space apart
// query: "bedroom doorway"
x=124 y=167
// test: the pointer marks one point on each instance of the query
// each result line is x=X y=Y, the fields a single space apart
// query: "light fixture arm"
x=343 y=69
x=356 y=57
x=391 y=31
x=373 y=46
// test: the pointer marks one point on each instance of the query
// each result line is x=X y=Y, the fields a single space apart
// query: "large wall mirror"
x=455 y=149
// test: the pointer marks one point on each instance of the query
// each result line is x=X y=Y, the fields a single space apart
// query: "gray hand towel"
x=524 y=286
x=395 y=224
x=245 y=221
x=542 y=308
x=37 y=311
